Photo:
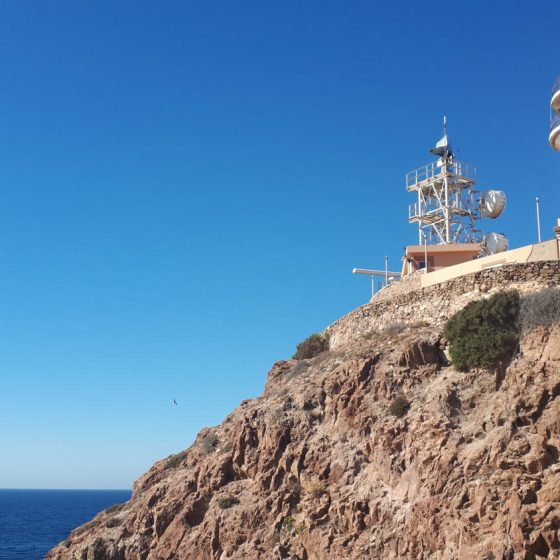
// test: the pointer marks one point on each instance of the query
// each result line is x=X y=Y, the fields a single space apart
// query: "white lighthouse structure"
x=554 y=137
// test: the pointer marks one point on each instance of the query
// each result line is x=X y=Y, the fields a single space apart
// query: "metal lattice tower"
x=447 y=206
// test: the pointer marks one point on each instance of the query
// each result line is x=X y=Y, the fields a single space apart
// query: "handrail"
x=556 y=86
x=432 y=170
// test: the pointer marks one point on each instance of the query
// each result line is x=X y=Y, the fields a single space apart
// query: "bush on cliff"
x=540 y=309
x=311 y=347
x=175 y=460
x=209 y=442
x=400 y=406
x=227 y=501
x=484 y=333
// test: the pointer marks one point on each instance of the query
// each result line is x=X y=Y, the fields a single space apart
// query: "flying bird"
x=175 y=402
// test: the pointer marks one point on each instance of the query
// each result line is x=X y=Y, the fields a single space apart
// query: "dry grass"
x=540 y=309
x=175 y=460
x=312 y=346
x=209 y=442
x=225 y=502
x=400 y=406
x=316 y=488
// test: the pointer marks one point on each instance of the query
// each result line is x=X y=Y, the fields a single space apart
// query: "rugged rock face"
x=317 y=468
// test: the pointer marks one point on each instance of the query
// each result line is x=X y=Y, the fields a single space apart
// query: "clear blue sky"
x=186 y=186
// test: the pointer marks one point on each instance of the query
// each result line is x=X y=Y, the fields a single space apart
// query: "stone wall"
x=400 y=287
x=409 y=304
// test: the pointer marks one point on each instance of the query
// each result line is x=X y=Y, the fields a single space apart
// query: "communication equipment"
x=449 y=208
x=443 y=148
x=494 y=243
x=492 y=203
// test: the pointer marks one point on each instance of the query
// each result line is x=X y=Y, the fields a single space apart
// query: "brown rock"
x=550 y=492
x=317 y=468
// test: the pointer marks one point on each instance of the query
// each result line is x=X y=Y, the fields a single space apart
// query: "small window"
x=422 y=263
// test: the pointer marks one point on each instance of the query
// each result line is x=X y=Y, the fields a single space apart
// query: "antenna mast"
x=446 y=210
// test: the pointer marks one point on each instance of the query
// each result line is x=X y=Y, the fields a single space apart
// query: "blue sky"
x=186 y=186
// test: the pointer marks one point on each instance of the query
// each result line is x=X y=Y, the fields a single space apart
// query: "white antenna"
x=538 y=218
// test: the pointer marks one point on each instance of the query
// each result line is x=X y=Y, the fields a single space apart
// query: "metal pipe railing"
x=433 y=169
x=554 y=121
x=556 y=86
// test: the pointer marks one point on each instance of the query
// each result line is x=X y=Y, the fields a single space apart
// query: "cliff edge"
x=324 y=465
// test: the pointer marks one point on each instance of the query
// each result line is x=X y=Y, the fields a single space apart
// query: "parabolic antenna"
x=494 y=243
x=443 y=148
x=492 y=203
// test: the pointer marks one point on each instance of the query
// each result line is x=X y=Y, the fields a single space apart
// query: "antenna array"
x=448 y=207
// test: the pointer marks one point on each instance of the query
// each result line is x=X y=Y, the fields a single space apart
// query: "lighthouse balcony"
x=428 y=175
x=555 y=101
x=554 y=137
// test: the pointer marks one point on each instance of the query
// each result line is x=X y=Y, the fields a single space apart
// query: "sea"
x=33 y=521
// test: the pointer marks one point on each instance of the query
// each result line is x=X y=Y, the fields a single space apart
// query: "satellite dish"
x=494 y=243
x=443 y=148
x=492 y=203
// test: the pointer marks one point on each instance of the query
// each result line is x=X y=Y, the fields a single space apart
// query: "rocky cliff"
x=319 y=467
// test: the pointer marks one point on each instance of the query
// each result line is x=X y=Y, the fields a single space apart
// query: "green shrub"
x=288 y=522
x=484 y=333
x=400 y=406
x=225 y=502
x=113 y=522
x=420 y=324
x=115 y=509
x=300 y=368
x=312 y=346
x=84 y=528
x=175 y=460
x=209 y=442
x=316 y=488
x=393 y=328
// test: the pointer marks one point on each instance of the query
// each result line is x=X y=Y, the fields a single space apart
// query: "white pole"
x=425 y=254
x=420 y=211
x=447 y=216
x=386 y=271
x=538 y=218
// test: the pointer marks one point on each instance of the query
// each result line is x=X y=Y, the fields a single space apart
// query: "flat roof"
x=444 y=248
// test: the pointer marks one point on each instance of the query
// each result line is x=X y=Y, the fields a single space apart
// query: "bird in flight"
x=175 y=402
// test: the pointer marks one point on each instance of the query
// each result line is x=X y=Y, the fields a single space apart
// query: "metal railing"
x=416 y=211
x=432 y=170
x=554 y=121
x=556 y=86
x=431 y=207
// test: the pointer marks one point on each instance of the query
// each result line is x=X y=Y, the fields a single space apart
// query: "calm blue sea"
x=33 y=521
